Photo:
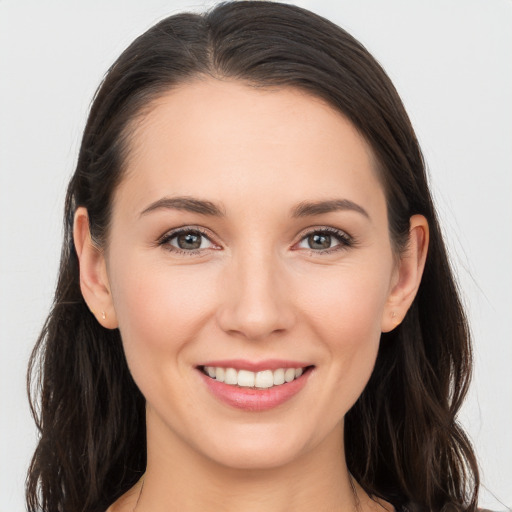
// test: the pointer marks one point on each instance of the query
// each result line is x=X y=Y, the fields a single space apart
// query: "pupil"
x=319 y=241
x=189 y=241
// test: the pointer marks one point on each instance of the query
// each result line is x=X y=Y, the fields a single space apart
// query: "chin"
x=260 y=447
x=255 y=457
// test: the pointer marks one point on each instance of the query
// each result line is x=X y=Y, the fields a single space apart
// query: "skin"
x=255 y=290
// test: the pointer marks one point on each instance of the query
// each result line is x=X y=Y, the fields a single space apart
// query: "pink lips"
x=250 y=399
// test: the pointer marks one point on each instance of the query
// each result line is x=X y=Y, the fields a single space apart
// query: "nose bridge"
x=257 y=301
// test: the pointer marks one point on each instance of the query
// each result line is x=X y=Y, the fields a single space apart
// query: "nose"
x=257 y=301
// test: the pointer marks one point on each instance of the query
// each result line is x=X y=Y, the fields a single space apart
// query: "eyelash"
x=164 y=240
x=345 y=241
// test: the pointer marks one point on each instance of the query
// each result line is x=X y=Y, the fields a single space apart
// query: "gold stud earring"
x=103 y=315
x=395 y=319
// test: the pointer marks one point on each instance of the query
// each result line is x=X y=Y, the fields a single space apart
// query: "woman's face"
x=251 y=233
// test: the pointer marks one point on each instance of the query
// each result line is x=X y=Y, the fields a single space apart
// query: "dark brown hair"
x=402 y=439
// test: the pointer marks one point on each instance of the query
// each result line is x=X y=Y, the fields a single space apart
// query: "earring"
x=103 y=315
x=395 y=319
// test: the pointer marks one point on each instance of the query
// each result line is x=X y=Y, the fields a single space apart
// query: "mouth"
x=263 y=379
x=255 y=386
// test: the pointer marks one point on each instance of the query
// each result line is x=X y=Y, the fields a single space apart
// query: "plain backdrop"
x=451 y=61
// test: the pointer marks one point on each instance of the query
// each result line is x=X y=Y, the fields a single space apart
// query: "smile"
x=247 y=379
x=254 y=387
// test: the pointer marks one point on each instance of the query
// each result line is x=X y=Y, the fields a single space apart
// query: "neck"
x=185 y=480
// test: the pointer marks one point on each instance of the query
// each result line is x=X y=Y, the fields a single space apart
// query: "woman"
x=255 y=306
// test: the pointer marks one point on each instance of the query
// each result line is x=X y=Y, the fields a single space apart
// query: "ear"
x=408 y=274
x=93 y=272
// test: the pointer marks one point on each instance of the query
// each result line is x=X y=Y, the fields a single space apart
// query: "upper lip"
x=256 y=366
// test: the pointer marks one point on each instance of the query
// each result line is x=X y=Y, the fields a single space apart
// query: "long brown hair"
x=403 y=442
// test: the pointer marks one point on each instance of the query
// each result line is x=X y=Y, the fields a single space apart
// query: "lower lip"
x=251 y=399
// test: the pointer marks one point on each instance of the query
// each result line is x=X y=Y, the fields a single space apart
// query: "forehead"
x=228 y=140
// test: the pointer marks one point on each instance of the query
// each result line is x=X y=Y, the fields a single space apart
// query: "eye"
x=325 y=240
x=186 y=240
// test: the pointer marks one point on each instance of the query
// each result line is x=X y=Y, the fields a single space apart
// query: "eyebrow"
x=185 y=203
x=306 y=208
x=303 y=209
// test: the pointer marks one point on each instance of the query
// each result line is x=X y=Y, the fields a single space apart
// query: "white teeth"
x=247 y=379
x=220 y=374
x=231 y=376
x=289 y=374
x=264 y=379
x=278 y=377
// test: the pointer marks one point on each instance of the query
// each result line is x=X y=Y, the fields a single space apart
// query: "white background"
x=451 y=61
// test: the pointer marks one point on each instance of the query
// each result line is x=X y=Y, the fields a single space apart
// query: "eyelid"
x=172 y=233
x=345 y=239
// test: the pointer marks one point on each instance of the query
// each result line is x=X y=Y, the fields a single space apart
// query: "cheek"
x=159 y=308
x=345 y=310
x=346 y=299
